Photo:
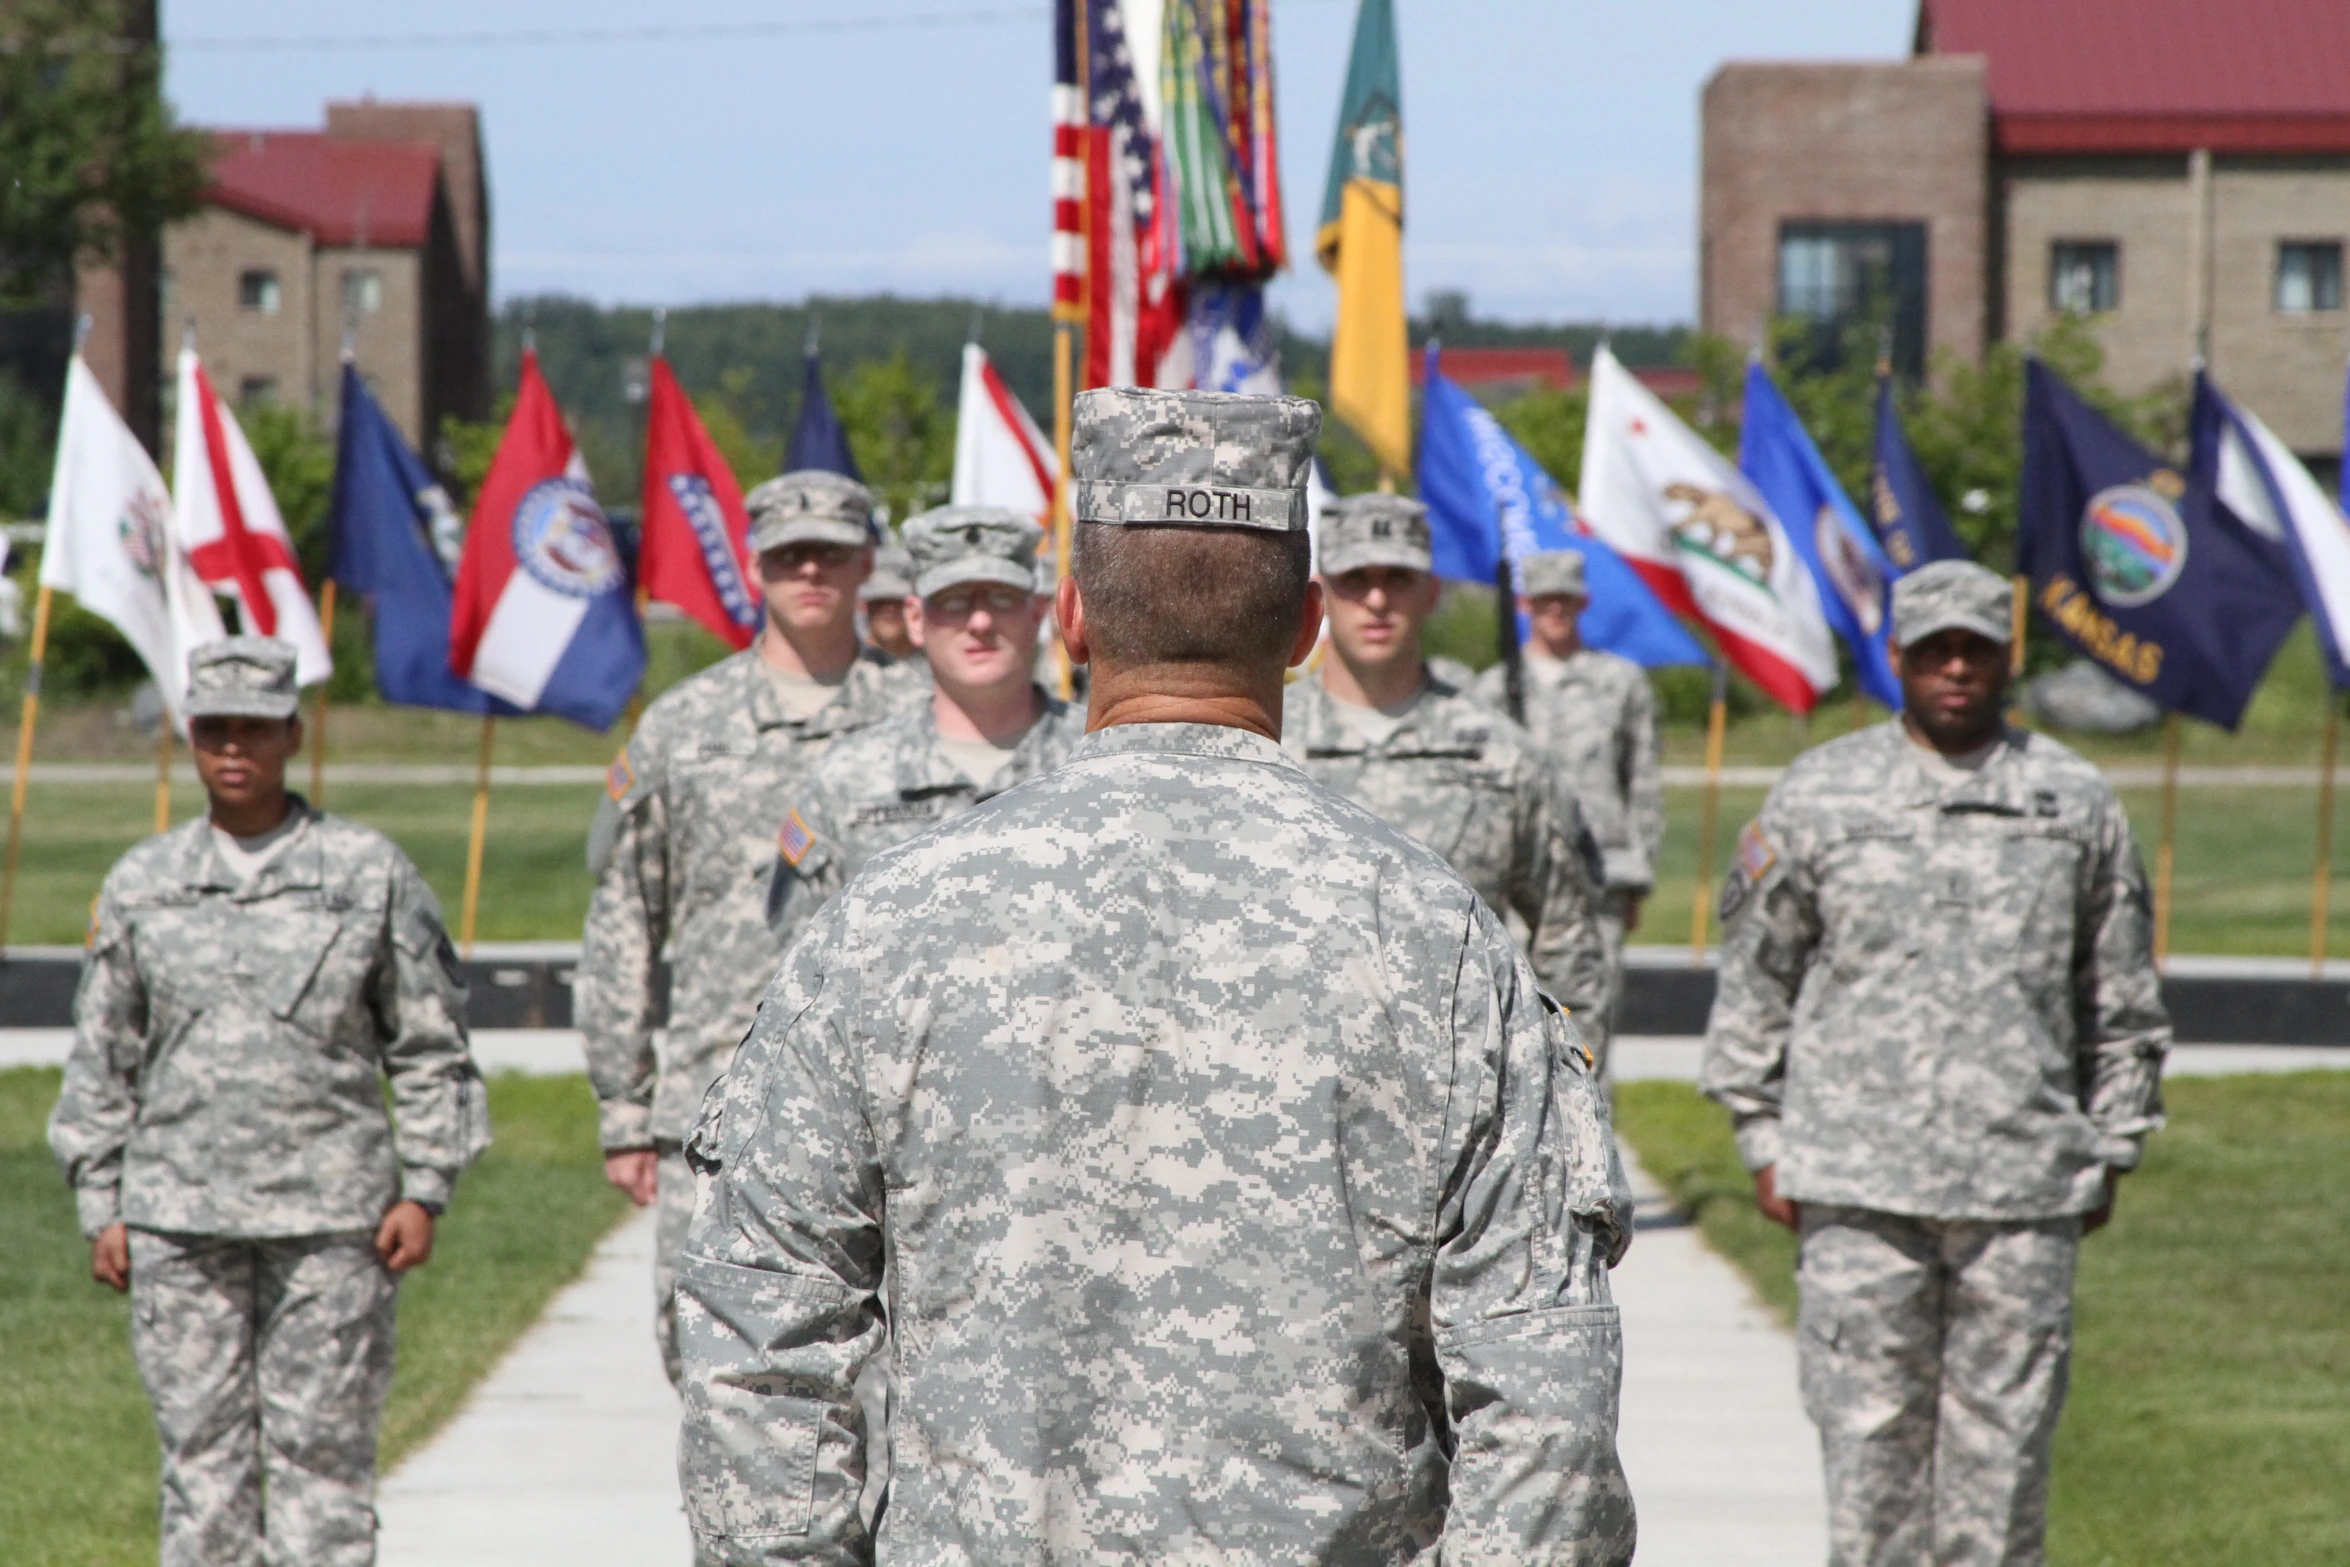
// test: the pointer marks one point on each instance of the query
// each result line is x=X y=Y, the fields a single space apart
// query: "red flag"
x=696 y=552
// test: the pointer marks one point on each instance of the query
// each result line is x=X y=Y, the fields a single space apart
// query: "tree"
x=91 y=153
x=903 y=438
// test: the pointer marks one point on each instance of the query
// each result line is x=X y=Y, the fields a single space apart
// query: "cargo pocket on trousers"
x=748 y=1455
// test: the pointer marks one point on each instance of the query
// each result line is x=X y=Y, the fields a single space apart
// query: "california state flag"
x=1001 y=458
x=1703 y=539
x=228 y=522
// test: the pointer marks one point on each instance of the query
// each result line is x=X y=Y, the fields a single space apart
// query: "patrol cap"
x=957 y=544
x=1947 y=595
x=1552 y=573
x=1374 y=530
x=1193 y=459
x=893 y=574
x=243 y=677
x=809 y=507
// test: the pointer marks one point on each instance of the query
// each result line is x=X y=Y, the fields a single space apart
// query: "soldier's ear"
x=1069 y=610
x=294 y=735
x=1309 y=625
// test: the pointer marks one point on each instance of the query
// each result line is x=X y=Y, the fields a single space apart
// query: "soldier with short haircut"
x=684 y=842
x=988 y=727
x=255 y=980
x=1940 y=1036
x=884 y=599
x=1241 y=1198
x=1375 y=724
x=1594 y=715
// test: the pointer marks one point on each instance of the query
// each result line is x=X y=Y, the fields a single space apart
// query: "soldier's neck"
x=1183 y=694
x=822 y=653
x=1563 y=649
x=999 y=714
x=251 y=818
x=1386 y=685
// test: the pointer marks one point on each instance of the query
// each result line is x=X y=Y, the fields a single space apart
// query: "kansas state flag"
x=2141 y=567
x=1482 y=489
x=386 y=528
x=1911 y=523
x=1779 y=455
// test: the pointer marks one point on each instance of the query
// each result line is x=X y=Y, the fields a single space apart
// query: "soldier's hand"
x=110 y=1257
x=1774 y=1207
x=404 y=1240
x=635 y=1171
x=2100 y=1216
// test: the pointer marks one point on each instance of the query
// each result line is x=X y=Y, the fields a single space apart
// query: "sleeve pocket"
x=747 y=1453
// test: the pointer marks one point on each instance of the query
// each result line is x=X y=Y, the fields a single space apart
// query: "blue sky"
x=1551 y=144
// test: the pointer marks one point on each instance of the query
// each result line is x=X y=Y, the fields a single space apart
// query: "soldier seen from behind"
x=974 y=613
x=1594 y=715
x=1240 y=1196
x=1378 y=725
x=1940 y=1036
x=255 y=980
x=684 y=841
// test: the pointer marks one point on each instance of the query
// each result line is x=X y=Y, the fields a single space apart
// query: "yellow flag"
x=1361 y=242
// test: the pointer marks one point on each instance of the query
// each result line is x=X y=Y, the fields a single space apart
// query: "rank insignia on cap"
x=794 y=840
x=620 y=777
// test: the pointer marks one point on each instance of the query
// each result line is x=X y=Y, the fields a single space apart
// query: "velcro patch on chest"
x=883 y=812
x=794 y=840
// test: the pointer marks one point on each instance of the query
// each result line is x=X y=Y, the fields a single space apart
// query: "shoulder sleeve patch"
x=794 y=840
x=1753 y=861
x=620 y=778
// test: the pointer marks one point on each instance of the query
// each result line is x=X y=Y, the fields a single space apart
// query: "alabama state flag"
x=543 y=617
x=697 y=553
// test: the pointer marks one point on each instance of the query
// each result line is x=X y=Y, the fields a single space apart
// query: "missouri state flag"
x=228 y=522
x=2143 y=568
x=697 y=551
x=544 y=617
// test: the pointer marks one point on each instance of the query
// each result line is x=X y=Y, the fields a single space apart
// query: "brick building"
x=2177 y=170
x=379 y=222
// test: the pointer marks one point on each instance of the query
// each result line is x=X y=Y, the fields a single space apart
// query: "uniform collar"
x=1311 y=719
x=923 y=766
x=1998 y=785
x=300 y=864
x=1216 y=741
x=859 y=701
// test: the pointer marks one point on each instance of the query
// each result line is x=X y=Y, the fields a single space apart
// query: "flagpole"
x=24 y=758
x=1064 y=373
x=1717 y=724
x=326 y=631
x=2321 y=892
x=481 y=829
x=163 y=775
x=2019 y=612
x=2165 y=855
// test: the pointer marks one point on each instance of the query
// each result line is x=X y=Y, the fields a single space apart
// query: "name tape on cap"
x=1206 y=505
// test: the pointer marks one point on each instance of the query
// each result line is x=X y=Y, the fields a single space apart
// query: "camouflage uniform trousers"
x=267 y=1362
x=1934 y=1354
x=673 y=1203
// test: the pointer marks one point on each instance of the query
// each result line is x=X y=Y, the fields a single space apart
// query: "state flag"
x=696 y=552
x=817 y=439
x=1911 y=525
x=2142 y=567
x=544 y=617
x=1001 y=457
x=228 y=522
x=1703 y=538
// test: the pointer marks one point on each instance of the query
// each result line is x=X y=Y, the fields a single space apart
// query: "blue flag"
x=1779 y=455
x=2140 y=566
x=1910 y=521
x=818 y=441
x=387 y=528
x=1483 y=490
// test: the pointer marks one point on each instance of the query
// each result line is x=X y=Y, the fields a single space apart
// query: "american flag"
x=1068 y=165
x=1113 y=255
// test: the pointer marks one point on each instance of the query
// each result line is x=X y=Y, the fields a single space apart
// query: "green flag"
x=1361 y=243
x=1370 y=125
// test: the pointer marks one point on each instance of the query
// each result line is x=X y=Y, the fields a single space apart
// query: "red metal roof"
x=338 y=192
x=2155 y=76
x=1549 y=368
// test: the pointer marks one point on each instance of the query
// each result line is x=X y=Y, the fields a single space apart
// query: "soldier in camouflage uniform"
x=255 y=979
x=1241 y=1198
x=1376 y=725
x=684 y=842
x=1594 y=715
x=988 y=728
x=1940 y=1037
x=884 y=600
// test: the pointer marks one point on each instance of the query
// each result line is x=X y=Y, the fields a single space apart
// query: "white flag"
x=1001 y=458
x=1703 y=538
x=2262 y=482
x=110 y=542
x=229 y=524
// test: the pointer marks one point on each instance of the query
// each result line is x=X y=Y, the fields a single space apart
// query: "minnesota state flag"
x=1361 y=244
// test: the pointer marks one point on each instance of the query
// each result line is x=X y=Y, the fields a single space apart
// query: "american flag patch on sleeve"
x=1755 y=854
x=620 y=779
x=794 y=840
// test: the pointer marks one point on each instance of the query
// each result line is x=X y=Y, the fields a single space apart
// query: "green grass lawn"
x=2209 y=1420
x=78 y=1483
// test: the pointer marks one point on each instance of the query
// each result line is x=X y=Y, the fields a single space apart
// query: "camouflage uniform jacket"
x=1597 y=717
x=232 y=1041
x=1472 y=786
x=1938 y=998
x=880 y=787
x=1241 y=1199
x=688 y=837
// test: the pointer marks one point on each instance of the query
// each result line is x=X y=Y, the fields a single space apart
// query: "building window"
x=363 y=291
x=256 y=391
x=2309 y=275
x=2084 y=276
x=257 y=289
x=1842 y=276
